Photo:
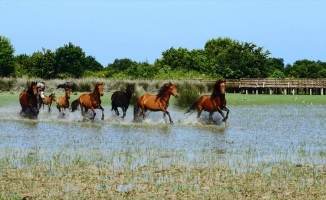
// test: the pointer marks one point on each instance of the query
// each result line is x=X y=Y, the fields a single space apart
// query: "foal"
x=47 y=100
x=63 y=102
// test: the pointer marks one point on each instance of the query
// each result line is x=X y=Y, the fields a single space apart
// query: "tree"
x=233 y=59
x=70 y=61
x=7 y=67
x=91 y=64
x=275 y=67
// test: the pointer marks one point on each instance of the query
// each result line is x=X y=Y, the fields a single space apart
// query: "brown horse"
x=47 y=100
x=92 y=100
x=212 y=103
x=63 y=102
x=28 y=100
x=159 y=102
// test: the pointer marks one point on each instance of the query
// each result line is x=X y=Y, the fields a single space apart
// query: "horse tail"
x=193 y=107
x=136 y=110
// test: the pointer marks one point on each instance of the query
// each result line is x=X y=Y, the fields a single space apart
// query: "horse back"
x=151 y=102
x=88 y=101
x=207 y=103
x=120 y=98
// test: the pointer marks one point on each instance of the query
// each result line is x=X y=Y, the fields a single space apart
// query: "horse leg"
x=124 y=110
x=220 y=111
x=102 y=118
x=199 y=113
x=94 y=112
x=167 y=112
x=227 y=113
x=211 y=115
x=82 y=110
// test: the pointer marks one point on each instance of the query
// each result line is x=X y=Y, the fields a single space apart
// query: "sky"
x=142 y=30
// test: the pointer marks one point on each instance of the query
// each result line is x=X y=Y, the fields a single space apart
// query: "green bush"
x=188 y=94
x=84 y=87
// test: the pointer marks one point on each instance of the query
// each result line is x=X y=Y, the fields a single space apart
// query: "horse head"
x=33 y=89
x=174 y=90
x=130 y=90
x=219 y=88
x=170 y=89
x=52 y=96
x=99 y=88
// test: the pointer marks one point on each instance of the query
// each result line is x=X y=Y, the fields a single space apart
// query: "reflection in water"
x=255 y=136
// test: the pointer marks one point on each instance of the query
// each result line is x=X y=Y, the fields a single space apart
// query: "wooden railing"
x=281 y=83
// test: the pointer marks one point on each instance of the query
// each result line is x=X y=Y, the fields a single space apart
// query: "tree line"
x=220 y=58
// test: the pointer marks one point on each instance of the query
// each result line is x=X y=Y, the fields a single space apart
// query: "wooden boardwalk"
x=281 y=83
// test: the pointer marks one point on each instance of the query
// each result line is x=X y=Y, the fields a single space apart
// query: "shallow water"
x=255 y=136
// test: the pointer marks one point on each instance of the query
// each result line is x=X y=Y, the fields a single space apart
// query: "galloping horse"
x=159 y=102
x=63 y=102
x=28 y=100
x=212 y=103
x=92 y=100
x=122 y=99
x=47 y=100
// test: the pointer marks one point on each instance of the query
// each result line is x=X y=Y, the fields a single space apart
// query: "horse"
x=28 y=100
x=159 y=102
x=63 y=102
x=122 y=99
x=47 y=100
x=74 y=105
x=41 y=88
x=212 y=103
x=92 y=100
x=70 y=85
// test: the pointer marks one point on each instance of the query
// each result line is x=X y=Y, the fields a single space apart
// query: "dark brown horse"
x=92 y=100
x=70 y=85
x=63 y=102
x=122 y=99
x=212 y=103
x=28 y=100
x=159 y=102
x=47 y=100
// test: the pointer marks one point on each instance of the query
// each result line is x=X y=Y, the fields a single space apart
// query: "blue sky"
x=142 y=30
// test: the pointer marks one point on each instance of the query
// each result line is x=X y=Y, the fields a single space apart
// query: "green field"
x=232 y=99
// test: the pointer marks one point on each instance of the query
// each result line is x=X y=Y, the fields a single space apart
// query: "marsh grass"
x=84 y=179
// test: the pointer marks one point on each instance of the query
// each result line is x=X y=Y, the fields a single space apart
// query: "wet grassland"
x=273 y=147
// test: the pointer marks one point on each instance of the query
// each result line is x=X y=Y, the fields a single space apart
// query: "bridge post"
x=310 y=91
x=321 y=91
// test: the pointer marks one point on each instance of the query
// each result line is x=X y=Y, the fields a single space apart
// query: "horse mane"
x=164 y=88
x=97 y=84
x=216 y=88
x=30 y=87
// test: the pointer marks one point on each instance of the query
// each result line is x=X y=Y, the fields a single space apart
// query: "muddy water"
x=255 y=136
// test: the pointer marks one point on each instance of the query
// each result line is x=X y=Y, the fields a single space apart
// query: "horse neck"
x=219 y=95
x=30 y=91
x=96 y=94
x=66 y=96
x=165 y=97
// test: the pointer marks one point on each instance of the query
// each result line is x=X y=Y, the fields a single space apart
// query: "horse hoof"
x=102 y=118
